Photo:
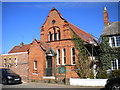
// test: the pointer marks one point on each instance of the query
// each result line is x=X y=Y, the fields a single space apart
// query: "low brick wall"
x=88 y=82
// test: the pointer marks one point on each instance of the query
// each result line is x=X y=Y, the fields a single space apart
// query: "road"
x=41 y=86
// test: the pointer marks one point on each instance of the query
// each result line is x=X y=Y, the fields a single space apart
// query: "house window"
x=5 y=62
x=10 y=60
x=116 y=64
x=73 y=55
x=114 y=41
x=118 y=40
x=15 y=62
x=64 y=57
x=58 y=34
x=58 y=57
x=55 y=36
x=50 y=36
x=35 y=65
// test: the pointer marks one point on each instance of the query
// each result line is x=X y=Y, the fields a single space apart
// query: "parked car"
x=7 y=76
x=113 y=84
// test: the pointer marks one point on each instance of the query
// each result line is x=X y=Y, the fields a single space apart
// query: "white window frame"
x=110 y=41
x=58 y=56
x=72 y=56
x=63 y=57
x=117 y=64
x=35 y=64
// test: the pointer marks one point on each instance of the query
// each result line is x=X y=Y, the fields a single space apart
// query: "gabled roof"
x=17 y=49
x=82 y=34
x=112 y=29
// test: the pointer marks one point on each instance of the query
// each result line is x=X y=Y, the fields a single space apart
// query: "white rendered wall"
x=88 y=82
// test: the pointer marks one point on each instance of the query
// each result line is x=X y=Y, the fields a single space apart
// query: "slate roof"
x=112 y=29
x=82 y=34
x=17 y=49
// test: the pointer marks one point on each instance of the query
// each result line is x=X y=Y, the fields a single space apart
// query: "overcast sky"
x=21 y=21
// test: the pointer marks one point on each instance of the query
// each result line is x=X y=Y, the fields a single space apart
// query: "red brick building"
x=54 y=49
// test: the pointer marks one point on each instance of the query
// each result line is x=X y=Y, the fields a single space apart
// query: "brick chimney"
x=106 y=22
x=21 y=44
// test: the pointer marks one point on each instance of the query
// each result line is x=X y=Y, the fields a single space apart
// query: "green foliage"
x=102 y=75
x=115 y=73
x=83 y=63
x=91 y=74
x=107 y=53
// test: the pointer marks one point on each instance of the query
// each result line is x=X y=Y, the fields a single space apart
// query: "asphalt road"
x=46 y=86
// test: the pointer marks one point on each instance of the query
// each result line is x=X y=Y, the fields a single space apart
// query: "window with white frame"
x=114 y=41
x=35 y=65
x=116 y=64
x=63 y=56
x=73 y=56
x=58 y=57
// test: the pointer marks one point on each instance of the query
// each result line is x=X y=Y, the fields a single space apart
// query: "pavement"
x=34 y=86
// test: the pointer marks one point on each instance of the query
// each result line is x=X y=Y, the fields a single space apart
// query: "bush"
x=102 y=74
x=91 y=74
x=115 y=73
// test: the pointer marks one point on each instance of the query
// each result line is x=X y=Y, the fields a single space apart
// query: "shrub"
x=102 y=74
x=115 y=73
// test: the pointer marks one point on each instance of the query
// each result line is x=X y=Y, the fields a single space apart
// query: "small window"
x=53 y=22
x=118 y=40
x=35 y=65
x=9 y=60
x=5 y=62
x=113 y=41
x=15 y=62
x=114 y=64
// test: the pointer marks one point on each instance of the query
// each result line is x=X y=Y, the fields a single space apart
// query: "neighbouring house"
x=41 y=59
x=17 y=60
x=112 y=31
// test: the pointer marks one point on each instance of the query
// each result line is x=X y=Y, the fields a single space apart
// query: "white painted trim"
x=15 y=53
x=48 y=77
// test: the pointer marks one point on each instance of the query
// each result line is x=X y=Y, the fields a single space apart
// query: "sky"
x=21 y=21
